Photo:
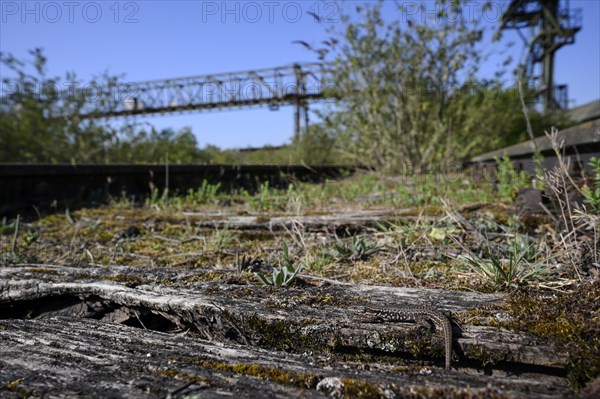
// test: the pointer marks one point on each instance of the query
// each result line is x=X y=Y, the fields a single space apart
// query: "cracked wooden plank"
x=64 y=357
x=311 y=223
x=292 y=319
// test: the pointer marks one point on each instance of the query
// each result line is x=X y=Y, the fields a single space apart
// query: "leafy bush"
x=40 y=123
x=592 y=194
x=510 y=181
x=412 y=95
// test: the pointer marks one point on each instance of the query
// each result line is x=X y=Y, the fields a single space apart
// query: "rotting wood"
x=332 y=222
x=300 y=319
x=65 y=357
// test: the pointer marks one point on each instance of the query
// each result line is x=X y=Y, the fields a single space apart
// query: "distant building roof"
x=585 y=112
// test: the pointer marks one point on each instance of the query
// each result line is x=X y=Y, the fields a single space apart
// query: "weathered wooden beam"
x=65 y=357
x=312 y=317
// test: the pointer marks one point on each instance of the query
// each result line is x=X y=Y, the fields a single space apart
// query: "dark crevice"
x=90 y=307
x=508 y=368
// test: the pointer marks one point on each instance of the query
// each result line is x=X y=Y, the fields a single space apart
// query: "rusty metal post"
x=298 y=102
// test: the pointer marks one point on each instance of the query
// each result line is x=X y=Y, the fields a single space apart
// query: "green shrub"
x=510 y=181
x=592 y=194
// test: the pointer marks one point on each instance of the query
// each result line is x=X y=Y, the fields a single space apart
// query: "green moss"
x=260 y=236
x=166 y=281
x=319 y=298
x=12 y=385
x=354 y=388
x=82 y=276
x=479 y=353
x=52 y=219
x=105 y=236
x=42 y=270
x=409 y=368
x=203 y=277
x=479 y=316
x=278 y=334
x=424 y=392
x=263 y=219
x=15 y=386
x=502 y=215
x=571 y=321
x=266 y=373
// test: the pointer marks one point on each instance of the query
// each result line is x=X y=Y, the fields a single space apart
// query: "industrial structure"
x=296 y=85
x=551 y=27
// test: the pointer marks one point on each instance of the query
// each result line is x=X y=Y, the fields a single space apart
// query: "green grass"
x=508 y=268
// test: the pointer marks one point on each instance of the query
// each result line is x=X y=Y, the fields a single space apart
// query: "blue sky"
x=166 y=39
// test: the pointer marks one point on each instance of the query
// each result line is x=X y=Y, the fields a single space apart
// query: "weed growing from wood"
x=357 y=248
x=284 y=275
x=521 y=264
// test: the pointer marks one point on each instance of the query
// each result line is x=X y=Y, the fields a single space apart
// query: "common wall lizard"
x=419 y=314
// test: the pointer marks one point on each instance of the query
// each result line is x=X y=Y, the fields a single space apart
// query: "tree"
x=410 y=94
x=396 y=78
x=39 y=122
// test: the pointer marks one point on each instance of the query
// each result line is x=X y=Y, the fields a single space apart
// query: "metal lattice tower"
x=552 y=27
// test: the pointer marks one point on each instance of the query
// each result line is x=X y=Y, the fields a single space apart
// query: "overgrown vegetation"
x=591 y=191
x=412 y=95
x=520 y=264
x=40 y=123
x=357 y=248
x=412 y=102
x=426 y=232
x=510 y=181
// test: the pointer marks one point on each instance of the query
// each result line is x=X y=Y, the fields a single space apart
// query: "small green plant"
x=10 y=258
x=264 y=199
x=30 y=238
x=521 y=264
x=592 y=194
x=510 y=181
x=284 y=275
x=121 y=202
x=221 y=238
x=317 y=260
x=280 y=277
x=295 y=199
x=156 y=199
x=205 y=194
x=357 y=249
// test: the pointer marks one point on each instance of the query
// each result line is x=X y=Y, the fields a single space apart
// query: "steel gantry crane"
x=552 y=27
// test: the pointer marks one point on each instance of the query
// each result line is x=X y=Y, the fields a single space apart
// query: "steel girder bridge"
x=296 y=84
